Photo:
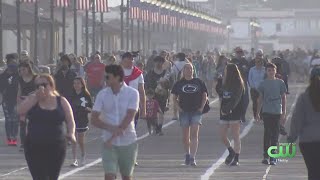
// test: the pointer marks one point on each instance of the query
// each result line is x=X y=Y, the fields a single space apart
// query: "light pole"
x=229 y=30
x=254 y=28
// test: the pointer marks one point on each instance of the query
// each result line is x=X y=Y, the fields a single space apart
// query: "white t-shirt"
x=134 y=83
x=113 y=109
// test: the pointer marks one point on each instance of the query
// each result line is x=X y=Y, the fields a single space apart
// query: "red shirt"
x=152 y=107
x=95 y=74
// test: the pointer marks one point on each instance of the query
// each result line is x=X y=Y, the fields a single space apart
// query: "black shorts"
x=82 y=125
x=82 y=130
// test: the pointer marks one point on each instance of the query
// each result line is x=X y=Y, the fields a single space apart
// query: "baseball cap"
x=127 y=55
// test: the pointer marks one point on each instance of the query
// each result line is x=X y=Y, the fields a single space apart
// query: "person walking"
x=190 y=96
x=9 y=81
x=133 y=77
x=25 y=88
x=244 y=68
x=64 y=78
x=176 y=72
x=305 y=125
x=256 y=76
x=45 y=143
x=95 y=75
x=118 y=105
x=156 y=81
x=81 y=104
x=230 y=111
x=272 y=100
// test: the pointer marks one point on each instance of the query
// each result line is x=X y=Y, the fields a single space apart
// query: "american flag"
x=135 y=10
x=62 y=3
x=83 y=4
x=101 y=5
x=28 y=1
x=145 y=12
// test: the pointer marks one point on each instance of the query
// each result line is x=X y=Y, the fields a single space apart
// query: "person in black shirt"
x=81 y=104
x=190 y=96
x=64 y=78
x=26 y=87
x=155 y=81
x=231 y=111
x=9 y=89
x=244 y=67
x=45 y=143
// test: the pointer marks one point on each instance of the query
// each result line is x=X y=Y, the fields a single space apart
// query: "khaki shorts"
x=121 y=158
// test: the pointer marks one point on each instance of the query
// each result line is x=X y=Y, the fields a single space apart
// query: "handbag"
x=206 y=107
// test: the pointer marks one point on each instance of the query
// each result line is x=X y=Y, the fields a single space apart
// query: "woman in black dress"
x=45 y=143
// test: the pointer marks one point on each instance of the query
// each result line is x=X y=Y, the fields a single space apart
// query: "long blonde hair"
x=182 y=74
x=51 y=82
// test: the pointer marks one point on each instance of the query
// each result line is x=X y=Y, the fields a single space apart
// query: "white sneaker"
x=83 y=160
x=75 y=163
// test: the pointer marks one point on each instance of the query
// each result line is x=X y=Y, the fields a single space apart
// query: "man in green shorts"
x=117 y=104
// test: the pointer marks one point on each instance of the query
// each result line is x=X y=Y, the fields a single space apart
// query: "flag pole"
x=93 y=25
x=102 y=33
x=75 y=27
x=87 y=32
x=18 y=27
x=51 y=30
x=36 y=29
x=64 y=27
x=127 y=25
x=1 y=31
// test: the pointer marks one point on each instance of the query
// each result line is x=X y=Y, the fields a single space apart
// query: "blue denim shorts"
x=190 y=118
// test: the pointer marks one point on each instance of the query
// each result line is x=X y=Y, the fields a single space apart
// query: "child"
x=81 y=104
x=152 y=110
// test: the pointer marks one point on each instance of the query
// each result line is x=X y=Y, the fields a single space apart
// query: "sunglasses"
x=41 y=84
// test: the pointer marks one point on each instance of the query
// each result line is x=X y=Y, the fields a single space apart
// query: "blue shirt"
x=256 y=76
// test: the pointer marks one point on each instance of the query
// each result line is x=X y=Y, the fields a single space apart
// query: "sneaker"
x=83 y=160
x=187 y=160
x=229 y=159
x=235 y=163
x=193 y=162
x=273 y=161
x=14 y=142
x=9 y=142
x=265 y=161
x=283 y=131
x=74 y=164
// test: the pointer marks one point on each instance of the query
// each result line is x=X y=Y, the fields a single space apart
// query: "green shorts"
x=120 y=157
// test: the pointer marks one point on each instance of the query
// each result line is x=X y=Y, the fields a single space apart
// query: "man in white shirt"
x=118 y=105
x=133 y=77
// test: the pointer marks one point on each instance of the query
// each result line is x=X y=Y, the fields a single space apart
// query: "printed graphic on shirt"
x=151 y=108
x=226 y=95
x=83 y=101
x=190 y=88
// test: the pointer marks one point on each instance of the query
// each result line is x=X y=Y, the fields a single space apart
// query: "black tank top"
x=46 y=126
x=27 y=87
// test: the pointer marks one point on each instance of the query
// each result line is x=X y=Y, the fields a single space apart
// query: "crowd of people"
x=116 y=92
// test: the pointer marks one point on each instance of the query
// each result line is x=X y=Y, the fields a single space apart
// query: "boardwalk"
x=161 y=158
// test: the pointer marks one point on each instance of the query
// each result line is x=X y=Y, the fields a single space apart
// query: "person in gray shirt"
x=305 y=125
x=272 y=99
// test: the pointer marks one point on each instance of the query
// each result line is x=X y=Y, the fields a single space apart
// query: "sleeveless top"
x=27 y=87
x=46 y=126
